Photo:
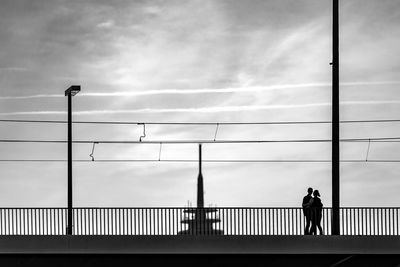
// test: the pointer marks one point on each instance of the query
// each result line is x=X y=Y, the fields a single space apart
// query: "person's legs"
x=320 y=230
x=319 y=224
x=313 y=230
x=308 y=222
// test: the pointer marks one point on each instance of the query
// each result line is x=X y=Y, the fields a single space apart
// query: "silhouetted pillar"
x=200 y=186
x=335 y=123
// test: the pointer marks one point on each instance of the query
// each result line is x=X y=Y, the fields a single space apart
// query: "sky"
x=196 y=61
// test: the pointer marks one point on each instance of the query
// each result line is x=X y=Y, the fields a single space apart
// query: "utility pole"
x=335 y=122
x=70 y=92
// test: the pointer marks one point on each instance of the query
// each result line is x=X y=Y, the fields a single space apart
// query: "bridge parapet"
x=157 y=221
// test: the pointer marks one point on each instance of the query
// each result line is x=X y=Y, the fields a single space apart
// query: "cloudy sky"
x=196 y=61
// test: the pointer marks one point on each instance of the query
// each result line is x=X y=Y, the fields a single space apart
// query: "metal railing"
x=183 y=221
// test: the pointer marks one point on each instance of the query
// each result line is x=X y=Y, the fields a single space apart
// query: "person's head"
x=316 y=193
x=309 y=190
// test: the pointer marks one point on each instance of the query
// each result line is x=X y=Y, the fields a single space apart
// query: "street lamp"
x=70 y=92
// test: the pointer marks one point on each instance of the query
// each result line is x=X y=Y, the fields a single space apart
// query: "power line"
x=209 y=161
x=376 y=139
x=198 y=123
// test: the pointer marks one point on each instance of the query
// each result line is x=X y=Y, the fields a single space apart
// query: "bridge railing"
x=207 y=221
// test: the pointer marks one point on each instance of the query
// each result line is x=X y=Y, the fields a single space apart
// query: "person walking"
x=307 y=210
x=316 y=213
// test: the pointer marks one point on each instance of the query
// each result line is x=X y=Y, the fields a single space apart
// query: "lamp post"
x=70 y=92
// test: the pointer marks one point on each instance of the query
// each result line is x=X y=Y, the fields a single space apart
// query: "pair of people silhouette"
x=312 y=210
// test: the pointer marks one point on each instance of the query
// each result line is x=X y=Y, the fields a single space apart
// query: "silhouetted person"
x=316 y=217
x=307 y=210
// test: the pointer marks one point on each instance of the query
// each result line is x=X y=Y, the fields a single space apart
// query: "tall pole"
x=69 y=226
x=335 y=123
x=200 y=186
x=70 y=92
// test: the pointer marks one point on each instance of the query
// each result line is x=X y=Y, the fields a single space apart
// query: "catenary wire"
x=198 y=123
x=208 y=161
x=376 y=139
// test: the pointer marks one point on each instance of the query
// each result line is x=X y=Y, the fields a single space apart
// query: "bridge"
x=102 y=231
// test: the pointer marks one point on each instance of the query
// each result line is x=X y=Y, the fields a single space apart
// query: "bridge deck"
x=200 y=244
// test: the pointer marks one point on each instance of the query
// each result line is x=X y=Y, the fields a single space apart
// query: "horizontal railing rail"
x=194 y=221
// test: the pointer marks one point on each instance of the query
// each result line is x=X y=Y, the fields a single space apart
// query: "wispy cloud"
x=30 y=96
x=13 y=69
x=210 y=90
x=203 y=109
x=246 y=89
x=180 y=91
x=106 y=24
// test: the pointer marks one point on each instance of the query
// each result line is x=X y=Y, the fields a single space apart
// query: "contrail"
x=203 y=90
x=179 y=91
x=169 y=110
x=209 y=90
x=29 y=97
x=203 y=109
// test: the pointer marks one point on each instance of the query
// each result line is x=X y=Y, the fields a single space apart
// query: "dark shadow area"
x=178 y=260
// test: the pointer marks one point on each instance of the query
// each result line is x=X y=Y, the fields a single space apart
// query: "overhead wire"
x=375 y=139
x=205 y=160
x=217 y=124
x=198 y=123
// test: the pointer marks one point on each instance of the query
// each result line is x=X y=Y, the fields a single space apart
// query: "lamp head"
x=73 y=90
